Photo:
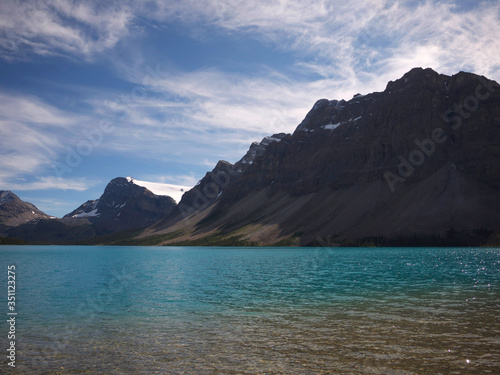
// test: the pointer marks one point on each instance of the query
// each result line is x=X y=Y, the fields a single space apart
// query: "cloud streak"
x=361 y=36
x=47 y=183
x=60 y=28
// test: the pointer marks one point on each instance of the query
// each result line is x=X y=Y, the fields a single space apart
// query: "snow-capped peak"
x=158 y=188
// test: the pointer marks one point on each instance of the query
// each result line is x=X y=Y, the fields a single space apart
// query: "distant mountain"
x=14 y=211
x=419 y=161
x=123 y=206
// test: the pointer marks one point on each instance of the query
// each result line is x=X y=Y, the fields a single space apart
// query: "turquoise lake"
x=195 y=310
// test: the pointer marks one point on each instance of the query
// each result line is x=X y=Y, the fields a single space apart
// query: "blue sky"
x=162 y=90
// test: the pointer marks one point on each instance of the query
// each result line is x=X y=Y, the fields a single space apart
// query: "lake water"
x=175 y=310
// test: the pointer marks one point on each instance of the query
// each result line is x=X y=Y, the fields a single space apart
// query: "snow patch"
x=92 y=213
x=331 y=126
x=158 y=188
x=335 y=126
x=272 y=139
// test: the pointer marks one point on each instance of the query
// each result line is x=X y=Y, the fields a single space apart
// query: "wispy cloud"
x=46 y=183
x=200 y=115
x=350 y=47
x=353 y=37
x=27 y=138
x=33 y=134
x=361 y=36
x=60 y=27
x=30 y=109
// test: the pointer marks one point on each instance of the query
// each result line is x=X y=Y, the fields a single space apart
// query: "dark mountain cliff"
x=421 y=158
x=340 y=143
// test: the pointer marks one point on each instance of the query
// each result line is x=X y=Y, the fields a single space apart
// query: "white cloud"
x=30 y=109
x=358 y=36
x=60 y=27
x=33 y=135
x=46 y=183
x=347 y=47
x=352 y=47
x=25 y=148
x=348 y=39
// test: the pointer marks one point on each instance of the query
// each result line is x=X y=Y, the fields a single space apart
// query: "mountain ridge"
x=123 y=206
x=420 y=159
x=335 y=165
x=14 y=211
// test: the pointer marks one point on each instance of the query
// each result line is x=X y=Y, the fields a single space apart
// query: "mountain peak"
x=14 y=211
x=257 y=149
x=7 y=196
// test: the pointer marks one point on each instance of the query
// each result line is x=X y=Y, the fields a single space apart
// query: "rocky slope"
x=123 y=206
x=14 y=211
x=421 y=158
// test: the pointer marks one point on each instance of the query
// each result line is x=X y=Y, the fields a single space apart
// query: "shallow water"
x=146 y=310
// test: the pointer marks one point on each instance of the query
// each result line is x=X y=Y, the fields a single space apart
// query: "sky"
x=162 y=90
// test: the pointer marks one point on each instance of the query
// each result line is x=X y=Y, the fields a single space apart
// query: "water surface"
x=180 y=310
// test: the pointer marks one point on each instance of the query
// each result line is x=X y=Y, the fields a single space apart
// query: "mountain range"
x=416 y=164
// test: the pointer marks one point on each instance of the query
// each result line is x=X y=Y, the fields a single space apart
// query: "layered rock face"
x=420 y=158
x=343 y=143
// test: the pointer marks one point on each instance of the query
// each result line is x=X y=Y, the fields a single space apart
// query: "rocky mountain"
x=14 y=211
x=257 y=150
x=415 y=164
x=419 y=160
x=210 y=188
x=123 y=206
